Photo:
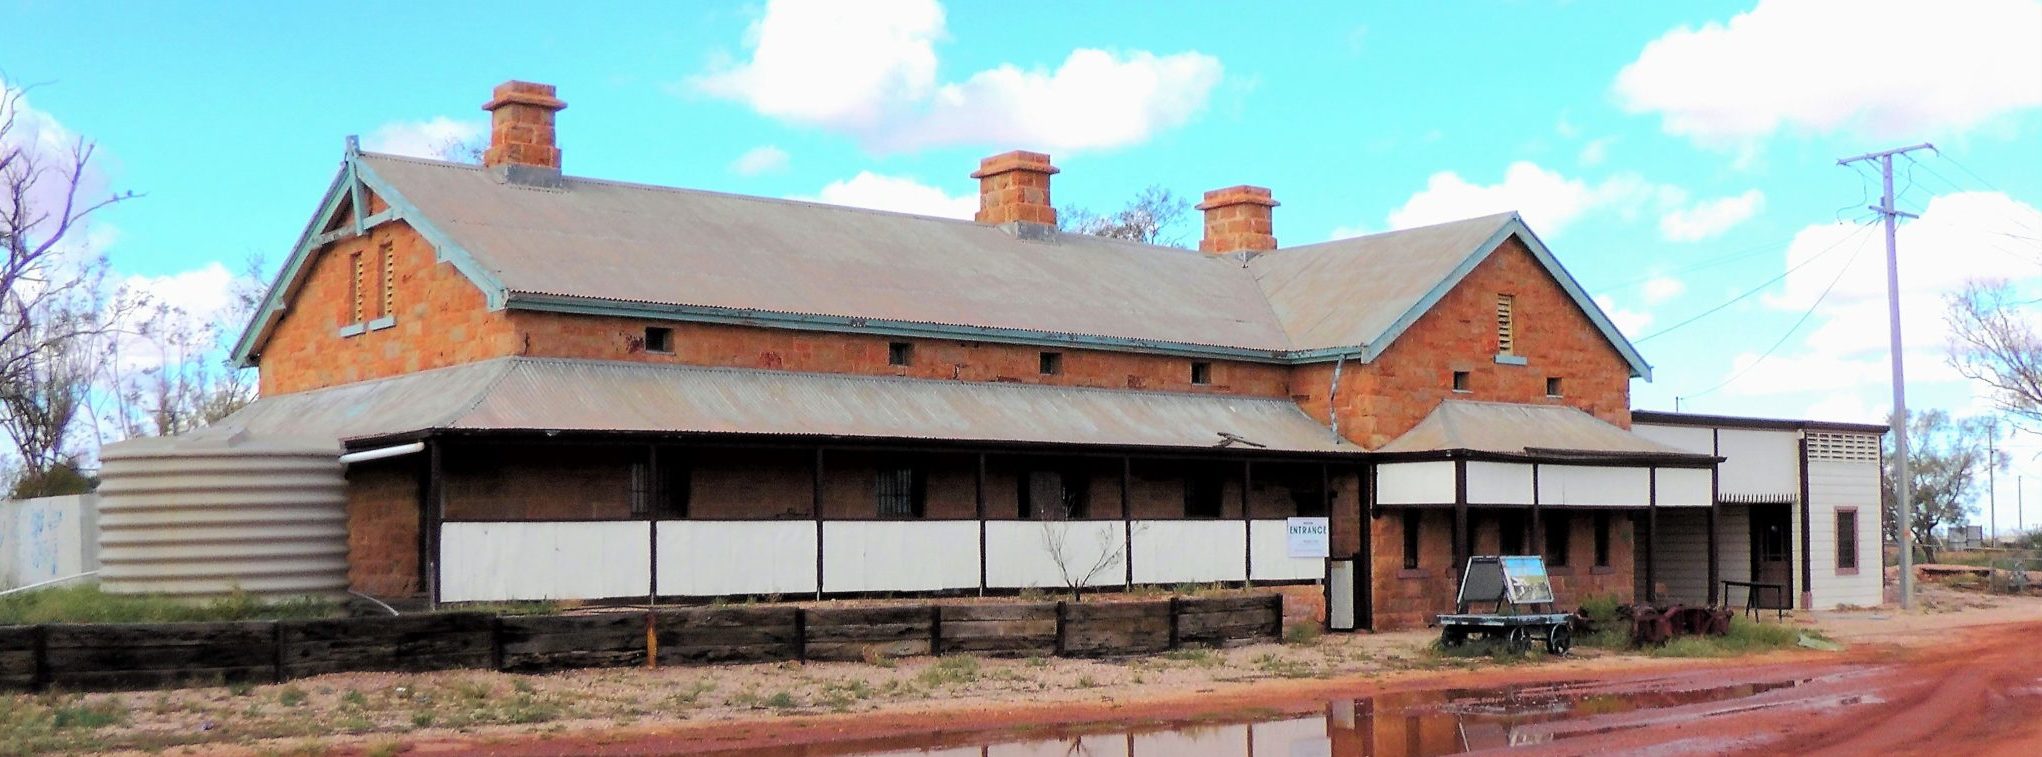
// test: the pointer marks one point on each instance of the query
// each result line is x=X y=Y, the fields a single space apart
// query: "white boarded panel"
x=504 y=562
x=1594 y=485
x=1415 y=483
x=1019 y=553
x=1680 y=561
x=899 y=555
x=706 y=558
x=1760 y=463
x=1498 y=483
x=1684 y=487
x=1699 y=440
x=1299 y=737
x=1189 y=551
x=1733 y=543
x=1840 y=484
x=1272 y=560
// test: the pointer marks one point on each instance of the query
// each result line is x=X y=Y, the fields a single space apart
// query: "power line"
x=1790 y=329
x=1760 y=288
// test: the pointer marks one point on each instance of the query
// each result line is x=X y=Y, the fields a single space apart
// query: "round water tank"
x=215 y=512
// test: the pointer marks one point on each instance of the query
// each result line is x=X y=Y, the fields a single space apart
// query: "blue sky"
x=1672 y=154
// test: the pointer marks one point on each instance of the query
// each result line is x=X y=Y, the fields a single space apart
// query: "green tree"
x=1946 y=459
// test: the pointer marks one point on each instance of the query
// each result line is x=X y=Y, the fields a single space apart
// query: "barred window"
x=901 y=492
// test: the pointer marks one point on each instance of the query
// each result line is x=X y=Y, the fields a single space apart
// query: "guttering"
x=380 y=453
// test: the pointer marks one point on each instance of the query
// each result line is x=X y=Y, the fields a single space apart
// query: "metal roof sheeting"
x=1522 y=429
x=580 y=395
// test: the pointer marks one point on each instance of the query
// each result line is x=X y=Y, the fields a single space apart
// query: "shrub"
x=87 y=604
x=1303 y=633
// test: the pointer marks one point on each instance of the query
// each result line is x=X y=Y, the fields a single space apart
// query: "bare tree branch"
x=1994 y=341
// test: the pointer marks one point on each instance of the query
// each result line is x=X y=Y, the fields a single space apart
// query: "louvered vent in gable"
x=1846 y=447
x=1506 y=325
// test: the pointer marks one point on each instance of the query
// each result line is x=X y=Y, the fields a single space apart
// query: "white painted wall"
x=1018 y=554
x=1271 y=555
x=1760 y=463
x=1297 y=737
x=1734 y=545
x=1680 y=561
x=1498 y=483
x=1219 y=739
x=706 y=558
x=1594 y=485
x=495 y=562
x=899 y=555
x=1429 y=483
x=1684 y=487
x=1834 y=484
x=48 y=538
x=1701 y=441
x=1189 y=551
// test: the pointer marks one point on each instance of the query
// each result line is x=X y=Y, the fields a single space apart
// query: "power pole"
x=1992 y=461
x=1903 y=499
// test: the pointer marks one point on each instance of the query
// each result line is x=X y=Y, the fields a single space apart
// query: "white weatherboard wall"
x=1684 y=487
x=1498 y=483
x=1758 y=463
x=1594 y=485
x=1297 y=737
x=499 y=562
x=1271 y=555
x=1834 y=484
x=1733 y=542
x=47 y=538
x=899 y=555
x=706 y=558
x=1428 y=483
x=1680 y=560
x=1699 y=440
x=1019 y=555
x=1189 y=551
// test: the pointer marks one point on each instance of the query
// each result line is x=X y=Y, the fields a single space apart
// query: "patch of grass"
x=1302 y=633
x=1745 y=637
x=540 y=607
x=950 y=671
x=1195 y=656
x=87 y=604
x=1086 y=682
x=781 y=700
x=291 y=696
x=874 y=654
x=1284 y=668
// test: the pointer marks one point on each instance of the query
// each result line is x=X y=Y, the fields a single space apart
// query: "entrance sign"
x=1309 y=537
x=1525 y=577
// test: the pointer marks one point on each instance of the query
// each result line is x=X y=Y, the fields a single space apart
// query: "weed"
x=692 y=693
x=781 y=700
x=1282 y=667
x=874 y=654
x=1302 y=633
x=290 y=696
x=87 y=604
x=241 y=688
x=422 y=719
x=1196 y=656
x=950 y=671
x=521 y=686
x=79 y=714
x=383 y=749
x=355 y=699
x=1086 y=682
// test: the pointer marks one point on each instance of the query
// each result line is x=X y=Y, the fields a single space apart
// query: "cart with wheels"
x=1518 y=589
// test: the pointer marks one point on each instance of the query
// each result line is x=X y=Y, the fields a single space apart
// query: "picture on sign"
x=1309 y=537
x=1525 y=576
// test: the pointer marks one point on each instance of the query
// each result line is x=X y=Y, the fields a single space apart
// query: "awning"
x=1551 y=455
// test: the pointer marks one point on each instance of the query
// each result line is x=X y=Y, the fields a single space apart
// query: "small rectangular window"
x=1558 y=530
x=1847 y=539
x=1201 y=373
x=1204 y=495
x=1506 y=331
x=901 y=492
x=899 y=353
x=1552 y=386
x=1461 y=381
x=1411 y=525
x=1510 y=532
x=1050 y=363
x=1602 y=527
x=659 y=339
x=676 y=485
x=1053 y=494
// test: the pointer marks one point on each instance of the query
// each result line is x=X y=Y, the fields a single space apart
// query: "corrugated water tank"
x=210 y=513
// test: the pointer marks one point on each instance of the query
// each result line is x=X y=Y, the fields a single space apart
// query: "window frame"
x=1413 y=530
x=1554 y=388
x=900 y=354
x=916 y=506
x=1462 y=382
x=1049 y=363
x=1201 y=373
x=1196 y=485
x=1558 y=537
x=1843 y=535
x=665 y=340
x=1603 y=538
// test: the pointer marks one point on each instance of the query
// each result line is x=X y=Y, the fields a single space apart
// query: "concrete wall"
x=48 y=538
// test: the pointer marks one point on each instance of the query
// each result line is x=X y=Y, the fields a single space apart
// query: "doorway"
x=1772 y=550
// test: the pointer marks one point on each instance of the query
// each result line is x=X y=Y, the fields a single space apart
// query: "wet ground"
x=1978 y=691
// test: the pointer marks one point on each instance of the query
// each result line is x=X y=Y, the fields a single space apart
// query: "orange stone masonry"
x=1014 y=186
x=1238 y=218
x=521 y=125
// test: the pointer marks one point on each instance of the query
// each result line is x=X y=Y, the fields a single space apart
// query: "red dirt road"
x=1975 y=691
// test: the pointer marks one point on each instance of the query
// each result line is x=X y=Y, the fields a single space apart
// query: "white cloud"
x=1595 y=152
x=437 y=137
x=1812 y=66
x=760 y=160
x=1547 y=200
x=205 y=293
x=903 y=195
x=1631 y=322
x=1709 y=218
x=1659 y=289
x=869 y=70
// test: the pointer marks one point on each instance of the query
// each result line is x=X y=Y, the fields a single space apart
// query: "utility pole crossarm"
x=1903 y=500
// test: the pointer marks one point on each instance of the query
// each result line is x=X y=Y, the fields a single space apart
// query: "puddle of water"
x=1401 y=724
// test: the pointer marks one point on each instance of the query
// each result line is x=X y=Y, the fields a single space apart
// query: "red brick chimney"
x=521 y=126
x=1014 y=187
x=1238 y=218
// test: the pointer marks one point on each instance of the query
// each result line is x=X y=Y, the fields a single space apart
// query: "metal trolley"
x=1518 y=586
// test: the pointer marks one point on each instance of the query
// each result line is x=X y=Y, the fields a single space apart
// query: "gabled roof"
x=549 y=394
x=1530 y=430
x=615 y=248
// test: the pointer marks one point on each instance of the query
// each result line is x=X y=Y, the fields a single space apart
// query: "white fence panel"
x=48 y=538
x=1760 y=463
x=898 y=555
x=706 y=558
x=1189 y=551
x=504 y=561
x=1415 y=483
x=1685 y=487
x=1498 y=483
x=1594 y=485
x=1271 y=556
x=1018 y=553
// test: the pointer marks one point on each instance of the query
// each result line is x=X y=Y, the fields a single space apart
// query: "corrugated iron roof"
x=1521 y=429
x=580 y=395
x=1352 y=291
